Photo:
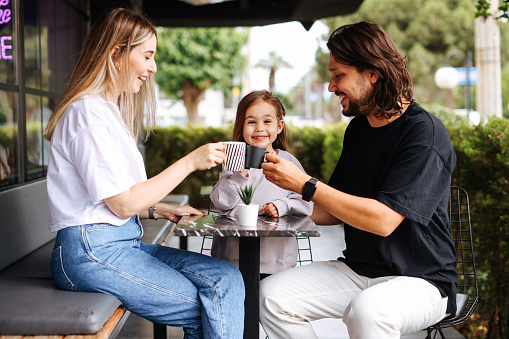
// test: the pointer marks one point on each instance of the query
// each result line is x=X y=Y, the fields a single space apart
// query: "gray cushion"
x=30 y=302
x=24 y=222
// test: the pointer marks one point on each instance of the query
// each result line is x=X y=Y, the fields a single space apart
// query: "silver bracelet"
x=151 y=210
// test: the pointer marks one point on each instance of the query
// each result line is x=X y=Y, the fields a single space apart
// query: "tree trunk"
x=192 y=97
x=272 y=79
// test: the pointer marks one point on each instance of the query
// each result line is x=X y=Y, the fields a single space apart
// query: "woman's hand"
x=174 y=213
x=270 y=209
x=206 y=156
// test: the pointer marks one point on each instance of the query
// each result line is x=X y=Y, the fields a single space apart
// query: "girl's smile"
x=261 y=126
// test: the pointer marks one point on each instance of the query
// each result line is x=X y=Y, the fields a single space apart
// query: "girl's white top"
x=92 y=157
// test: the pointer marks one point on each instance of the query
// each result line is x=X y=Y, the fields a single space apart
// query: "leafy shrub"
x=483 y=170
x=333 y=147
x=307 y=147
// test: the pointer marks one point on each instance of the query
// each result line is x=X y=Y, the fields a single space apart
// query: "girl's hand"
x=206 y=156
x=174 y=213
x=270 y=209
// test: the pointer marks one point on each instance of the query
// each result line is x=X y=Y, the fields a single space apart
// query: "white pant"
x=386 y=307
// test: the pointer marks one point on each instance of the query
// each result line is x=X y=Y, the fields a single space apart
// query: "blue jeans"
x=204 y=295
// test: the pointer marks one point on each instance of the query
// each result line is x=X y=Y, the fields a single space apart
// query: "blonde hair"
x=95 y=70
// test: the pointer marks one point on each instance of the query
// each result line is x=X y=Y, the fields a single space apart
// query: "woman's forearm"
x=147 y=193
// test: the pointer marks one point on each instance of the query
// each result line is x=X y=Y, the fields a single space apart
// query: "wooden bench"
x=30 y=303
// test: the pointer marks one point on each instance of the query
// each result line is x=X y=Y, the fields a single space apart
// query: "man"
x=390 y=188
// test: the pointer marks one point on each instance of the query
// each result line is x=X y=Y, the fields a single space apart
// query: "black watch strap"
x=151 y=210
x=309 y=189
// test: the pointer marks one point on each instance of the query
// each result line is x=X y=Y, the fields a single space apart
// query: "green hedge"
x=482 y=169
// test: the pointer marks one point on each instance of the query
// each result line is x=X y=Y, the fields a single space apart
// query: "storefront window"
x=7 y=49
x=48 y=58
x=38 y=114
x=52 y=33
x=9 y=173
x=32 y=46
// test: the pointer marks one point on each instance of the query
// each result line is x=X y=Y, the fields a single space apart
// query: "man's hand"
x=284 y=173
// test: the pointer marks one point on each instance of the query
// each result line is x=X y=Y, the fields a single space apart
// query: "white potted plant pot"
x=248 y=214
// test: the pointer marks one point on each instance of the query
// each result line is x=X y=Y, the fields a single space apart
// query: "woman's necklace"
x=117 y=113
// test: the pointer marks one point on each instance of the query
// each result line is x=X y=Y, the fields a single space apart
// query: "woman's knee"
x=232 y=277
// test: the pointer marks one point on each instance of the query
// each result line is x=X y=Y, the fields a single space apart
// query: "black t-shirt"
x=407 y=166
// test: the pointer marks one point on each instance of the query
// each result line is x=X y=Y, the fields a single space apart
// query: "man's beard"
x=362 y=104
x=358 y=107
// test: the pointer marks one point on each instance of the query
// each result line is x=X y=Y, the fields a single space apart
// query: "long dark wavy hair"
x=254 y=98
x=366 y=46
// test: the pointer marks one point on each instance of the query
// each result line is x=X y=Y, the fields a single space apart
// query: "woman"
x=98 y=191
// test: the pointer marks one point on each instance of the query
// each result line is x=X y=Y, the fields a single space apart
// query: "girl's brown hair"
x=255 y=98
x=95 y=69
x=367 y=46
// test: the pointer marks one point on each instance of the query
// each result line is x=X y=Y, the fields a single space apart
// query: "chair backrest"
x=461 y=232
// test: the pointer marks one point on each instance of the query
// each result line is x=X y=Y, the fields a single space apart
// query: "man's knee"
x=363 y=310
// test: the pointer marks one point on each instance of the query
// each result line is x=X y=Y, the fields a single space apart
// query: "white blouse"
x=92 y=157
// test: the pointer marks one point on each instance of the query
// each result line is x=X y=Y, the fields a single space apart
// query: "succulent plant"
x=246 y=193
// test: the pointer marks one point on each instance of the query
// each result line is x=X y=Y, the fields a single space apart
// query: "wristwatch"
x=309 y=189
x=151 y=210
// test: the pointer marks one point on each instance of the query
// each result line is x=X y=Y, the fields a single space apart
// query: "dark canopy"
x=230 y=13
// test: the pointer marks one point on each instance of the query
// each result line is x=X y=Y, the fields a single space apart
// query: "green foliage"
x=483 y=170
x=505 y=91
x=8 y=134
x=209 y=57
x=307 y=147
x=332 y=148
x=483 y=9
x=246 y=193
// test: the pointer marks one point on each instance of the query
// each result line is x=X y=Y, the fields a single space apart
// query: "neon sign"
x=5 y=41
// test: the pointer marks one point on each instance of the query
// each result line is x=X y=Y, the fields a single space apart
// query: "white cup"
x=234 y=156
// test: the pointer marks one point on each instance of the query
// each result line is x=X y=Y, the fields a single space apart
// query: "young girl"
x=98 y=191
x=259 y=122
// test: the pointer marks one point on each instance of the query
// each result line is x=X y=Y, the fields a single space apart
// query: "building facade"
x=39 y=43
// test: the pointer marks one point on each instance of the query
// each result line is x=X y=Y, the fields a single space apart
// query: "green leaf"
x=246 y=193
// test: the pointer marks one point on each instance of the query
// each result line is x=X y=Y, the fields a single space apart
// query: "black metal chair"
x=206 y=243
x=467 y=293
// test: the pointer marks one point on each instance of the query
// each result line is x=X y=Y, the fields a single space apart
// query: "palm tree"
x=273 y=63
